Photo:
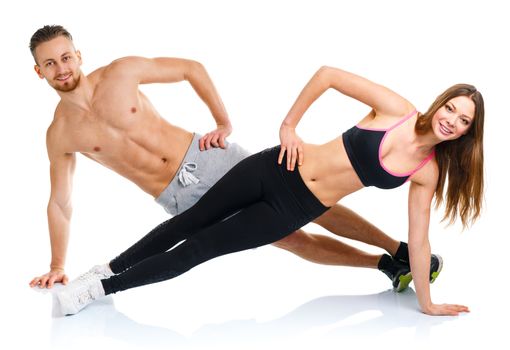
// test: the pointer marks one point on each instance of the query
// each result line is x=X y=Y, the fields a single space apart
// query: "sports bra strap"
x=425 y=161
x=403 y=120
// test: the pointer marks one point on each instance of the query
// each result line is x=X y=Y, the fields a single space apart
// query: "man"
x=105 y=117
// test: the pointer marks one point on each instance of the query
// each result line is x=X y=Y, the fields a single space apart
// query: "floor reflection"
x=338 y=316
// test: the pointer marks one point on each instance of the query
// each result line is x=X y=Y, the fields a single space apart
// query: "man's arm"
x=62 y=167
x=169 y=70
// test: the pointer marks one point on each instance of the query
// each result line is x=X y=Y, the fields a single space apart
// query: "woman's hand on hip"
x=293 y=145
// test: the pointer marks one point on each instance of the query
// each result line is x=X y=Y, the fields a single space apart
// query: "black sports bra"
x=363 y=147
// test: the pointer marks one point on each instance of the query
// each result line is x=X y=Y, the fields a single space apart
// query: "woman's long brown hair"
x=460 y=161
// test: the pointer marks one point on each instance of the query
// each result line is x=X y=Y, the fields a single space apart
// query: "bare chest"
x=117 y=109
x=106 y=129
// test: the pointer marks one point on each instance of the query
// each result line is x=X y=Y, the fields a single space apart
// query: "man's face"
x=59 y=63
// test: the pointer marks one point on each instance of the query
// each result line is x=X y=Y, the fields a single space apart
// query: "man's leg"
x=329 y=251
x=325 y=250
x=346 y=223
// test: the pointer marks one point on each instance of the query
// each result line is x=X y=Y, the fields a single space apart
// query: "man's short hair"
x=47 y=33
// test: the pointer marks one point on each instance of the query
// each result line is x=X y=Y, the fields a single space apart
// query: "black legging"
x=256 y=203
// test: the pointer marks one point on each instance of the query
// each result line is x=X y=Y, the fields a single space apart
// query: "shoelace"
x=85 y=290
x=87 y=276
x=85 y=297
x=94 y=272
x=185 y=176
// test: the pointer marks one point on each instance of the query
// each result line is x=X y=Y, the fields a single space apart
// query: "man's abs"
x=143 y=148
x=148 y=158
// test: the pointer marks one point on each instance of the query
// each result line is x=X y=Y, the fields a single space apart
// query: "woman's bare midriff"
x=328 y=173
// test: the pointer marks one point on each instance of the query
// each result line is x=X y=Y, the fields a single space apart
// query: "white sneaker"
x=103 y=271
x=79 y=293
x=100 y=271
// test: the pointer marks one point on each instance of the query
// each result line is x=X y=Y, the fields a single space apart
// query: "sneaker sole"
x=403 y=282
x=434 y=275
x=65 y=303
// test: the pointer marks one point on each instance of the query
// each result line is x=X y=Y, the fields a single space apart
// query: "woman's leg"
x=239 y=188
x=254 y=226
x=256 y=203
x=280 y=203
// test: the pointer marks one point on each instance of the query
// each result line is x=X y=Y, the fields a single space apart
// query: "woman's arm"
x=381 y=99
x=421 y=193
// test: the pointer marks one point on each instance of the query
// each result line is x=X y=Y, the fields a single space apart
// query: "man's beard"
x=68 y=85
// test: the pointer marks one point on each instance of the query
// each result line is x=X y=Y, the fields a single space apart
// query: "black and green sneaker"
x=397 y=271
x=436 y=262
x=402 y=278
x=436 y=265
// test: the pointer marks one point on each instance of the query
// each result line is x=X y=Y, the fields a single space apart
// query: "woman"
x=264 y=198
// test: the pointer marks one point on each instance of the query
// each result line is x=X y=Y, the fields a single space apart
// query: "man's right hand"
x=47 y=280
x=215 y=138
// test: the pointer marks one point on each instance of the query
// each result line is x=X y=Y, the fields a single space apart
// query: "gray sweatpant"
x=198 y=172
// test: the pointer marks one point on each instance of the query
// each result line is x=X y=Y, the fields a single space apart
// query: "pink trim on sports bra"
x=422 y=164
x=409 y=173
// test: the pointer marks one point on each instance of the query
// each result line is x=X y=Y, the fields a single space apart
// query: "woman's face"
x=454 y=118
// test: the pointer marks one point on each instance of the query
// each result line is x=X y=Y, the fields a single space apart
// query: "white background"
x=259 y=54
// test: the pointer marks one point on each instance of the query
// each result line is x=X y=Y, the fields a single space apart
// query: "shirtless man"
x=105 y=117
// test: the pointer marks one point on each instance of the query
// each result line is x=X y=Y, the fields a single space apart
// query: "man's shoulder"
x=96 y=74
x=123 y=68
x=56 y=130
x=60 y=113
x=123 y=65
x=115 y=67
